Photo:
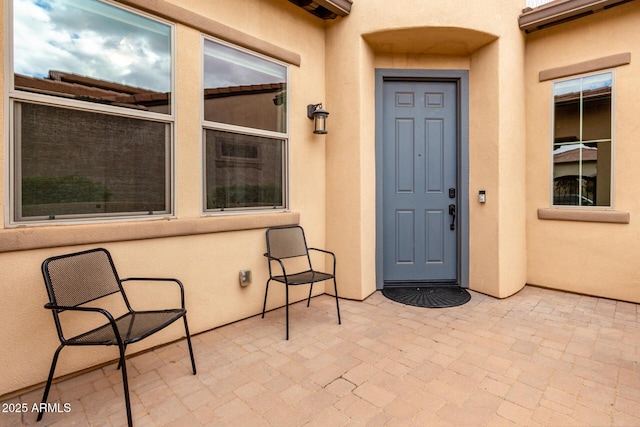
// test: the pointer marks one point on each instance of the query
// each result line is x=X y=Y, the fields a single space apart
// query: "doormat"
x=430 y=296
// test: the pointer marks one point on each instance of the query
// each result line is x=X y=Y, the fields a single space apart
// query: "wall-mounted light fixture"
x=319 y=116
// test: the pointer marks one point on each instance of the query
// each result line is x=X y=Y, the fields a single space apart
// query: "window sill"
x=27 y=238
x=560 y=214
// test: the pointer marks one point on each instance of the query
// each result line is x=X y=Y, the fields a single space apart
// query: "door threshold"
x=418 y=283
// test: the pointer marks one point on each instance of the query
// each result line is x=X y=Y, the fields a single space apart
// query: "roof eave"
x=339 y=7
x=325 y=9
x=559 y=11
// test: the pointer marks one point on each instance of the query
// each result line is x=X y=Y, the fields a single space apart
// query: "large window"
x=245 y=130
x=582 y=142
x=92 y=116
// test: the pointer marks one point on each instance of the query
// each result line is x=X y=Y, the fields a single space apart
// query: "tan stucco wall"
x=484 y=170
x=332 y=177
x=196 y=250
x=440 y=35
x=586 y=257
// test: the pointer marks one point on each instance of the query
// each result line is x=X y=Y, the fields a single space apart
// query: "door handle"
x=452 y=212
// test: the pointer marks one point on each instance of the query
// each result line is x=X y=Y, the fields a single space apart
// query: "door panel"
x=419 y=168
x=405 y=237
x=435 y=156
x=405 y=149
x=436 y=222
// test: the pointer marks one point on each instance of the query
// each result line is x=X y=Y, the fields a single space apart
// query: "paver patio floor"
x=539 y=358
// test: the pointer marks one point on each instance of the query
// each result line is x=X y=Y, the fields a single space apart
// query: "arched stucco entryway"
x=496 y=263
x=450 y=41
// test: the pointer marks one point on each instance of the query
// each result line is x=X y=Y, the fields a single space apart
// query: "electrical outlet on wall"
x=245 y=277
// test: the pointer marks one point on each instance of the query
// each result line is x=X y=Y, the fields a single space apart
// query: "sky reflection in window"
x=91 y=39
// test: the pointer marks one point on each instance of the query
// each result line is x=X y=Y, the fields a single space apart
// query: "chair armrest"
x=51 y=306
x=272 y=258
x=322 y=250
x=159 y=279
x=112 y=321
x=329 y=253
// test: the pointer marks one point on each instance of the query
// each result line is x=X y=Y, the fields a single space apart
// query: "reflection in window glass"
x=243 y=171
x=582 y=141
x=245 y=130
x=78 y=163
x=93 y=51
x=74 y=156
x=243 y=89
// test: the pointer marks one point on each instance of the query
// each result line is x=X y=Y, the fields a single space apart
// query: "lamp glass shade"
x=320 y=120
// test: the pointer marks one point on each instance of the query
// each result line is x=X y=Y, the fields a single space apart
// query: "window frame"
x=13 y=96
x=610 y=206
x=242 y=130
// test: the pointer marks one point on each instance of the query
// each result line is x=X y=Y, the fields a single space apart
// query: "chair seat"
x=132 y=327
x=303 y=278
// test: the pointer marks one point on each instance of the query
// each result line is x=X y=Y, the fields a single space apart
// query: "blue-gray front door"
x=420 y=188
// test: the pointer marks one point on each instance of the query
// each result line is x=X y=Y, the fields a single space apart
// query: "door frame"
x=461 y=78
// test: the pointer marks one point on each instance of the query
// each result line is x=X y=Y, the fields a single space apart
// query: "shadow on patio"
x=540 y=357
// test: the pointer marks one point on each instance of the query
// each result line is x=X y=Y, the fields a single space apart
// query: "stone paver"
x=538 y=358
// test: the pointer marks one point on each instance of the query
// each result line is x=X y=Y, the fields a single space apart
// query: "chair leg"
x=120 y=361
x=287 y=309
x=125 y=384
x=48 y=386
x=310 y=290
x=335 y=288
x=266 y=291
x=186 y=329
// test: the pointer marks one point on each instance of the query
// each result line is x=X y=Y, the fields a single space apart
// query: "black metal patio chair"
x=286 y=244
x=76 y=279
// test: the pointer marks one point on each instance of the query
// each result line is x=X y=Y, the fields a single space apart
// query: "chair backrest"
x=81 y=277
x=286 y=242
